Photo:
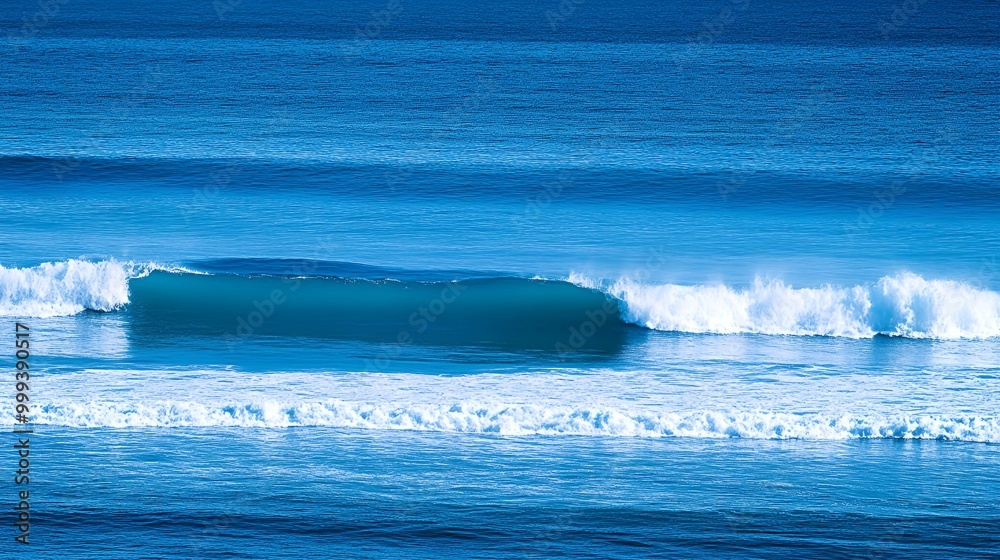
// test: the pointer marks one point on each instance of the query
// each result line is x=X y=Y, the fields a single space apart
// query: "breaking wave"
x=65 y=288
x=905 y=305
x=492 y=308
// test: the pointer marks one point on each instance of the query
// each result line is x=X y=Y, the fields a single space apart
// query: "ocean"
x=394 y=279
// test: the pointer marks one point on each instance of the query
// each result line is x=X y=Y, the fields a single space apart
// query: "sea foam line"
x=518 y=420
x=905 y=305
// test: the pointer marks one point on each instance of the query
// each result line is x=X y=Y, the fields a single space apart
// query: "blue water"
x=515 y=279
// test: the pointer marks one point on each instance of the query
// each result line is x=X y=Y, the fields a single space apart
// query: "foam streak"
x=520 y=420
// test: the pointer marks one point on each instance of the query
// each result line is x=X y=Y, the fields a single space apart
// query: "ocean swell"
x=491 y=309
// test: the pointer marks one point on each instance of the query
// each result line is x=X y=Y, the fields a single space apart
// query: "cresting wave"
x=905 y=305
x=66 y=288
x=519 y=420
x=539 y=312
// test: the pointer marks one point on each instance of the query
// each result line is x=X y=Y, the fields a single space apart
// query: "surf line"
x=22 y=427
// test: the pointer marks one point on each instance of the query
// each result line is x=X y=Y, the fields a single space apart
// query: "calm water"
x=508 y=280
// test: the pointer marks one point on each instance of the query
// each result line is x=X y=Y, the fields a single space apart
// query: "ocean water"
x=504 y=280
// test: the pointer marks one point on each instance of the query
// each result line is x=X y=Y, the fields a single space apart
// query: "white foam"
x=519 y=420
x=903 y=305
x=66 y=288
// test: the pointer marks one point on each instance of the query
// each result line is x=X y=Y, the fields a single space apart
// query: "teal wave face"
x=508 y=313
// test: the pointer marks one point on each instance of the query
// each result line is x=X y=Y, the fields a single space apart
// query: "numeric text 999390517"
x=22 y=431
